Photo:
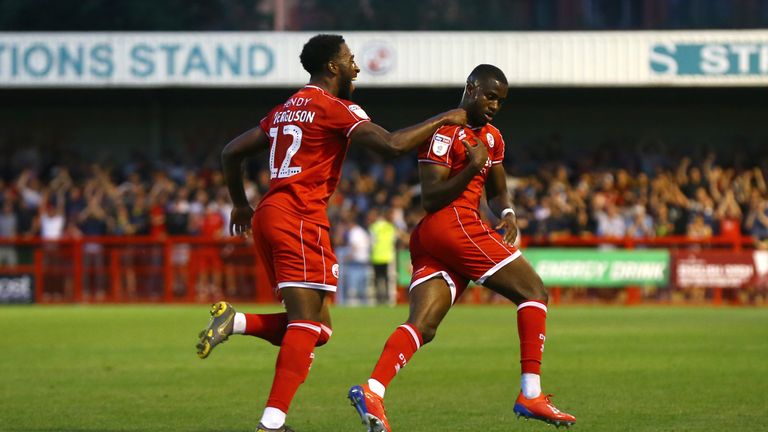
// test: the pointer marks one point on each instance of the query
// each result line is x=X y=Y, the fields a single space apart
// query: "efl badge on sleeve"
x=359 y=111
x=440 y=144
x=489 y=137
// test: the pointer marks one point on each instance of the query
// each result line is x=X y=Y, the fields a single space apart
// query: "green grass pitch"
x=134 y=368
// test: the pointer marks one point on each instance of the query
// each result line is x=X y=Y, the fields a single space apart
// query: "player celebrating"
x=307 y=137
x=452 y=246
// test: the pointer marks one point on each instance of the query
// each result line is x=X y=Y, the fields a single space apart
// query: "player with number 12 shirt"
x=307 y=138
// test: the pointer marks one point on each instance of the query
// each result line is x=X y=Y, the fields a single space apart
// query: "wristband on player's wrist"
x=506 y=211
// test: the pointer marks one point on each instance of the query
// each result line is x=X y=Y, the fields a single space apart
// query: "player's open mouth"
x=487 y=116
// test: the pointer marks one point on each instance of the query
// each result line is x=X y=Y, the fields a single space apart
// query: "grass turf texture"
x=133 y=368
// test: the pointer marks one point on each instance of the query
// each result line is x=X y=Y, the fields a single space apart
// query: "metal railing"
x=186 y=269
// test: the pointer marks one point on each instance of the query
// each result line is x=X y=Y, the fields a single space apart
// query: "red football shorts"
x=296 y=252
x=456 y=245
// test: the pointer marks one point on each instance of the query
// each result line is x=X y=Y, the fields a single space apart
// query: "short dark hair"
x=484 y=72
x=320 y=50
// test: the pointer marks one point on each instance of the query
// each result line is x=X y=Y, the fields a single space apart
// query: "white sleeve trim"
x=433 y=162
x=349 y=132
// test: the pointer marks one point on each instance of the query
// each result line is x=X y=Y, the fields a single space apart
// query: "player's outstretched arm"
x=404 y=140
x=499 y=200
x=438 y=190
x=247 y=144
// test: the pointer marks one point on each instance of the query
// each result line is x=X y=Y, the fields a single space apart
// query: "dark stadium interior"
x=345 y=15
x=157 y=122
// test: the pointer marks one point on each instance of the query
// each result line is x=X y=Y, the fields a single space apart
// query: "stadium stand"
x=558 y=203
x=149 y=221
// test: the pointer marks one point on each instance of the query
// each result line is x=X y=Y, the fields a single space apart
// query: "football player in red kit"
x=307 y=138
x=452 y=246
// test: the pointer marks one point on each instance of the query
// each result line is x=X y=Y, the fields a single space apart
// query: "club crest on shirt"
x=489 y=137
x=440 y=144
x=358 y=111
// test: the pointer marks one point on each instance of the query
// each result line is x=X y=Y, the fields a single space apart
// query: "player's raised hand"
x=456 y=116
x=476 y=154
x=240 y=221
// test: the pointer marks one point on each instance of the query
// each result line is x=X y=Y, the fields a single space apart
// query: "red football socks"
x=531 y=326
x=400 y=347
x=270 y=327
x=325 y=335
x=293 y=362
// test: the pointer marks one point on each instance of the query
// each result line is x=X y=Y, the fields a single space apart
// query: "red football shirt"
x=309 y=136
x=445 y=148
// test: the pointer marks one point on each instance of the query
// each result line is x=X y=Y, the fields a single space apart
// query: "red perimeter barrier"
x=192 y=269
x=139 y=269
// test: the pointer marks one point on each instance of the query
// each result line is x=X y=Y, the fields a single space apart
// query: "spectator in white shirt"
x=610 y=223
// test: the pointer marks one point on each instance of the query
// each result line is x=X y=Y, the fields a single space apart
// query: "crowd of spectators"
x=694 y=200
x=636 y=195
x=553 y=200
x=98 y=204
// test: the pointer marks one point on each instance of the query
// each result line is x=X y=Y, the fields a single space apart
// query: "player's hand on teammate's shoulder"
x=477 y=154
x=456 y=116
x=240 y=221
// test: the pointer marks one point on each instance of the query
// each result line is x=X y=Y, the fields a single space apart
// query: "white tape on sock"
x=531 y=385
x=238 y=325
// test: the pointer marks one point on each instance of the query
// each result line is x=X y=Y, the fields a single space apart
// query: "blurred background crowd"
x=638 y=194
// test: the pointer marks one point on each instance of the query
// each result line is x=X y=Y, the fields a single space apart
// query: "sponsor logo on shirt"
x=359 y=112
x=440 y=144
x=488 y=164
